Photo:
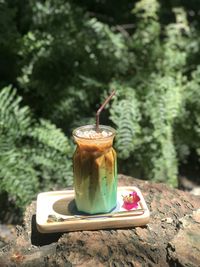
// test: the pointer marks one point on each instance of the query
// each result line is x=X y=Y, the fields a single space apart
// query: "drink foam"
x=92 y=134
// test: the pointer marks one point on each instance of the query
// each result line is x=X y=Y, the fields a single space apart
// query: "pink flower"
x=131 y=201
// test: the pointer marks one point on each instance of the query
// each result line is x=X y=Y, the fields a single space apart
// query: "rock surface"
x=172 y=237
x=7 y=232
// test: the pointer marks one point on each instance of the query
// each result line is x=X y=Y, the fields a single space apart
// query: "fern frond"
x=18 y=178
x=48 y=135
x=34 y=155
x=13 y=118
x=162 y=106
x=125 y=115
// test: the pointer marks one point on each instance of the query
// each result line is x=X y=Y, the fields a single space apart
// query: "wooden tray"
x=60 y=206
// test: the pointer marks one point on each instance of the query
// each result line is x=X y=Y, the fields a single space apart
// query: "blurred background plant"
x=58 y=61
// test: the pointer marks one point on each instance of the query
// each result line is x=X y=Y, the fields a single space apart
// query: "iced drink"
x=95 y=169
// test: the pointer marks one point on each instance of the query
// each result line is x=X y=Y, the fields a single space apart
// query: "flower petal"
x=131 y=201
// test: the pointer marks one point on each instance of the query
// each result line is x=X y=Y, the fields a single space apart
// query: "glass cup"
x=95 y=170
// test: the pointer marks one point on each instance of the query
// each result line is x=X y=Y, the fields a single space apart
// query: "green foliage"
x=9 y=45
x=146 y=113
x=65 y=56
x=146 y=116
x=188 y=124
x=126 y=116
x=62 y=54
x=162 y=105
x=33 y=155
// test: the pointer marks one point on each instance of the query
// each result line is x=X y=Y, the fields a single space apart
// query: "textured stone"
x=186 y=244
x=170 y=239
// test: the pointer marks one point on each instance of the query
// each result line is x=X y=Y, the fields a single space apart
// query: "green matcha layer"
x=95 y=180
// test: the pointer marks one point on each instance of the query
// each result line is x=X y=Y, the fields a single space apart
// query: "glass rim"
x=92 y=127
